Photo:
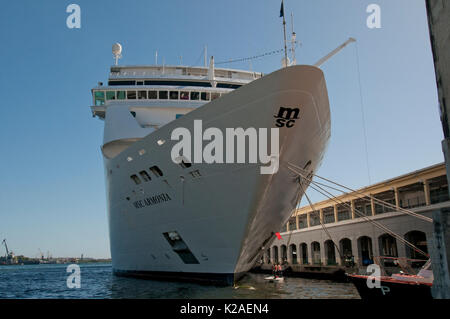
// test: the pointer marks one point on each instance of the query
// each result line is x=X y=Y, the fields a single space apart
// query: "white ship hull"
x=229 y=212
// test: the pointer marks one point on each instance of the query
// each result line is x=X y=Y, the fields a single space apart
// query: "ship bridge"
x=140 y=99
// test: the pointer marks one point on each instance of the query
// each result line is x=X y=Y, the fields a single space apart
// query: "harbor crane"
x=9 y=257
x=6 y=247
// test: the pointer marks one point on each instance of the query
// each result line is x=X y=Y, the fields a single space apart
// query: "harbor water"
x=97 y=281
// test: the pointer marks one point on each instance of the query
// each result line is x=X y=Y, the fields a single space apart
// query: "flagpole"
x=284 y=31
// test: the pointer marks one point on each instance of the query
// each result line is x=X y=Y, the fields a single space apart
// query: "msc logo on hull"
x=286 y=117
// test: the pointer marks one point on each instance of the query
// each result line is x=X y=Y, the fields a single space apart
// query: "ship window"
x=145 y=176
x=133 y=113
x=184 y=95
x=177 y=116
x=99 y=98
x=142 y=95
x=205 y=96
x=177 y=83
x=131 y=95
x=174 y=95
x=215 y=96
x=135 y=179
x=163 y=95
x=121 y=95
x=111 y=95
x=195 y=96
x=155 y=170
x=140 y=83
x=121 y=82
x=152 y=95
x=185 y=164
x=228 y=86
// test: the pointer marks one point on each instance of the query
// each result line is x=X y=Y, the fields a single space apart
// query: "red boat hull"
x=391 y=289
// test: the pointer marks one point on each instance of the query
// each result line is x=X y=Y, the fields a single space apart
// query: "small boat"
x=274 y=278
x=398 y=286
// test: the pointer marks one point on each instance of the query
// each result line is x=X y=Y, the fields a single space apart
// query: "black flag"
x=282 y=9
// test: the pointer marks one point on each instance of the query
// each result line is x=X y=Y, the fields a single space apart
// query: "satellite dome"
x=116 y=49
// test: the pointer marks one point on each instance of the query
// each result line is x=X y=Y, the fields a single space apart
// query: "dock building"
x=304 y=245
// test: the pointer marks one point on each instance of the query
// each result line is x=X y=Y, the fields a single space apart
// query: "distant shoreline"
x=56 y=261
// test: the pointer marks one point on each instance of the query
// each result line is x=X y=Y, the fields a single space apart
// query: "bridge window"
x=121 y=95
x=184 y=95
x=174 y=95
x=195 y=96
x=215 y=96
x=145 y=176
x=205 y=96
x=135 y=179
x=111 y=95
x=131 y=95
x=152 y=95
x=99 y=98
x=142 y=95
x=163 y=95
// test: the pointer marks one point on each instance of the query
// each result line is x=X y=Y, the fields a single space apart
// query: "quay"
x=306 y=249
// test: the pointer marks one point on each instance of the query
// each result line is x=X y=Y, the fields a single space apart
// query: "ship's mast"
x=293 y=41
x=286 y=63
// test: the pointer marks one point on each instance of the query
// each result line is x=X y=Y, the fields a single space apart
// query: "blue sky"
x=52 y=193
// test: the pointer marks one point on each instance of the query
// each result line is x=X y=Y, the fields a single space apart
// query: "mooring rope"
x=377 y=224
x=386 y=204
x=322 y=224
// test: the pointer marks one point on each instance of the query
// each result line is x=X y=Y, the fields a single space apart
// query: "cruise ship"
x=185 y=220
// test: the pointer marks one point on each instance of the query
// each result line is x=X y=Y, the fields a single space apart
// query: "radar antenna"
x=117 y=52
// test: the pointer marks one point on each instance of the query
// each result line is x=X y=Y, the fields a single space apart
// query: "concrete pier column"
x=323 y=257
x=308 y=219
x=375 y=246
x=289 y=254
x=352 y=205
x=440 y=254
x=372 y=206
x=401 y=249
x=321 y=215
x=426 y=190
x=397 y=198
x=310 y=253
x=299 y=254
x=355 y=251
x=272 y=255
x=335 y=214
x=339 y=260
x=297 y=221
